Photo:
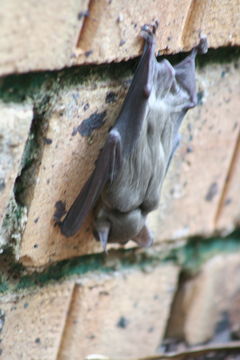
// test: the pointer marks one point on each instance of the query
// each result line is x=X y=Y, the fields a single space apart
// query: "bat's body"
x=125 y=185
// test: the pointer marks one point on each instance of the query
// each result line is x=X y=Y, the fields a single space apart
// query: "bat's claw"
x=202 y=47
x=150 y=28
x=148 y=31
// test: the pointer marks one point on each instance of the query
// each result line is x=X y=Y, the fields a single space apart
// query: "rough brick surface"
x=66 y=163
x=111 y=32
x=121 y=316
x=96 y=314
x=52 y=35
x=15 y=121
x=219 y=20
x=192 y=190
x=208 y=300
x=39 y=35
x=32 y=325
x=228 y=215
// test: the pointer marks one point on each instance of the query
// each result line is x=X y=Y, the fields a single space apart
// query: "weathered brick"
x=111 y=32
x=15 y=121
x=219 y=20
x=66 y=163
x=228 y=215
x=120 y=316
x=32 y=325
x=206 y=300
x=37 y=36
x=56 y=34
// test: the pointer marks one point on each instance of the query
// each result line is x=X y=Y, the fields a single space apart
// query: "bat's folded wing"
x=107 y=164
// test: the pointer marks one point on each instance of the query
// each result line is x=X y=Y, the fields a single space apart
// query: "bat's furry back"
x=125 y=185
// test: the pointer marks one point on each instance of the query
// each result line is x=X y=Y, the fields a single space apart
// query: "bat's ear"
x=101 y=233
x=144 y=238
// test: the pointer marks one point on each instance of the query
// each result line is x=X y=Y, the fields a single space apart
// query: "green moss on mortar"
x=12 y=226
x=37 y=85
x=222 y=55
x=189 y=257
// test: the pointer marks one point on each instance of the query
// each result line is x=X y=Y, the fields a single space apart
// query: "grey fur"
x=142 y=143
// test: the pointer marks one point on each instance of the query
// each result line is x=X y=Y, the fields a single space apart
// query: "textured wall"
x=62 y=298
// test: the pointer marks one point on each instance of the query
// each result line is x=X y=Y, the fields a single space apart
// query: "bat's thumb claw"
x=148 y=31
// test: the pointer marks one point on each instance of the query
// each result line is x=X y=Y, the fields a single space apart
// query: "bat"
x=125 y=185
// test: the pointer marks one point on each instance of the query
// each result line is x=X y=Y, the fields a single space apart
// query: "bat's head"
x=112 y=226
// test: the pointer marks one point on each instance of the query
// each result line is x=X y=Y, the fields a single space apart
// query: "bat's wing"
x=120 y=139
x=133 y=111
x=185 y=71
x=107 y=165
x=183 y=92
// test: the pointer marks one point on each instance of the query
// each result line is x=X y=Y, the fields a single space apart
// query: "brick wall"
x=62 y=298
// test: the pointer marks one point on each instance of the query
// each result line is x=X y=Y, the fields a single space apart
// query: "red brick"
x=33 y=323
x=38 y=35
x=56 y=34
x=66 y=163
x=207 y=299
x=120 y=316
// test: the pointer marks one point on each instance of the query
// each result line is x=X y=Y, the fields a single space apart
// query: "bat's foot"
x=202 y=47
x=148 y=31
x=144 y=238
x=150 y=28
